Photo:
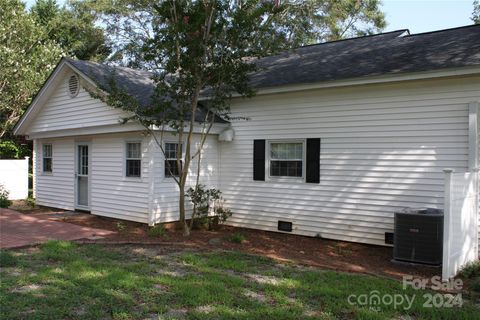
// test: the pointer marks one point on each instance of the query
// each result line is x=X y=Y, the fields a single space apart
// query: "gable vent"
x=73 y=86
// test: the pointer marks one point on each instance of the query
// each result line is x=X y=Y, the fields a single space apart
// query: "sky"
x=417 y=15
x=427 y=15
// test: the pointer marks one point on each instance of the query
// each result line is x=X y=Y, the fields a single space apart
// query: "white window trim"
x=165 y=158
x=47 y=173
x=124 y=164
x=267 y=160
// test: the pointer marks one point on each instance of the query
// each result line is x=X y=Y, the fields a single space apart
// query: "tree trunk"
x=181 y=207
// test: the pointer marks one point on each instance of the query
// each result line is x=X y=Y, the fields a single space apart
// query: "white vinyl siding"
x=113 y=194
x=64 y=112
x=478 y=175
x=165 y=194
x=383 y=148
x=55 y=189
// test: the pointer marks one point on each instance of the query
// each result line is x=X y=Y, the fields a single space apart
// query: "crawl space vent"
x=73 y=86
x=285 y=226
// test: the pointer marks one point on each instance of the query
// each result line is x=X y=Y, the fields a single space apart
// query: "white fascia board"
x=114 y=128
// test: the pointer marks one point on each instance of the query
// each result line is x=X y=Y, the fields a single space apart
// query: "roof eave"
x=407 y=76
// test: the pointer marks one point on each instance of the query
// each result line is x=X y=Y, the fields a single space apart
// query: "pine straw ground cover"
x=63 y=280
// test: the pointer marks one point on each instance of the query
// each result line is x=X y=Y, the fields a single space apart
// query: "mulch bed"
x=309 y=251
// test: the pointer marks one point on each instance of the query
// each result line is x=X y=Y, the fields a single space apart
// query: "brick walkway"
x=18 y=230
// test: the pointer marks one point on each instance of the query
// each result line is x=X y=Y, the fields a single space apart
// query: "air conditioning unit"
x=418 y=236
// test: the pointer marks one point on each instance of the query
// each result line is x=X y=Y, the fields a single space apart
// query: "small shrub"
x=30 y=201
x=4 y=202
x=209 y=207
x=471 y=270
x=200 y=223
x=120 y=226
x=237 y=237
x=11 y=149
x=7 y=259
x=157 y=231
x=476 y=285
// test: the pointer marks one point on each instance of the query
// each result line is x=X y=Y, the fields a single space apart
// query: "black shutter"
x=259 y=160
x=313 y=161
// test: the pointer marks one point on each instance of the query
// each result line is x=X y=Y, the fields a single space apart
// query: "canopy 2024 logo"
x=375 y=300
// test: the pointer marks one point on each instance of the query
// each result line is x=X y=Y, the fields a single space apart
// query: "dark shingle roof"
x=137 y=83
x=387 y=53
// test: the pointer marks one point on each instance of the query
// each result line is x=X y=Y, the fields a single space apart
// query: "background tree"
x=27 y=57
x=476 y=12
x=31 y=44
x=73 y=28
x=129 y=23
x=315 y=21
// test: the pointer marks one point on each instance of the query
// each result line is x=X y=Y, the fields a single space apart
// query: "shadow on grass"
x=64 y=280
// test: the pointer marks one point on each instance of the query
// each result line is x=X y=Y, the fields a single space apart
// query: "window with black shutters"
x=133 y=159
x=299 y=159
x=47 y=158
x=173 y=151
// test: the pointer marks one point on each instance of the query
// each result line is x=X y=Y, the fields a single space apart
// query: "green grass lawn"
x=61 y=280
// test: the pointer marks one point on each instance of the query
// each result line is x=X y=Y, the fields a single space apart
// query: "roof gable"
x=137 y=83
x=54 y=109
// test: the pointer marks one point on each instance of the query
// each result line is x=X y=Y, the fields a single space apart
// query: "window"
x=134 y=159
x=286 y=159
x=171 y=155
x=47 y=158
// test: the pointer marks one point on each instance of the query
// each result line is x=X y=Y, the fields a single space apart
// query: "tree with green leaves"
x=31 y=44
x=476 y=12
x=198 y=49
x=316 y=21
x=129 y=23
x=27 y=57
x=207 y=48
x=73 y=27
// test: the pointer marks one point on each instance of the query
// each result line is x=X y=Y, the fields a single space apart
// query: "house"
x=341 y=135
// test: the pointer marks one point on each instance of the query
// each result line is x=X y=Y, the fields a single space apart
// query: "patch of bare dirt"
x=24 y=207
x=308 y=251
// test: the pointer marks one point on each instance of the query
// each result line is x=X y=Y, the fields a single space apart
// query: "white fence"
x=14 y=177
x=460 y=236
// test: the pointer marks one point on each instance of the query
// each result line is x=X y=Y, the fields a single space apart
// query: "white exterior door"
x=82 y=176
